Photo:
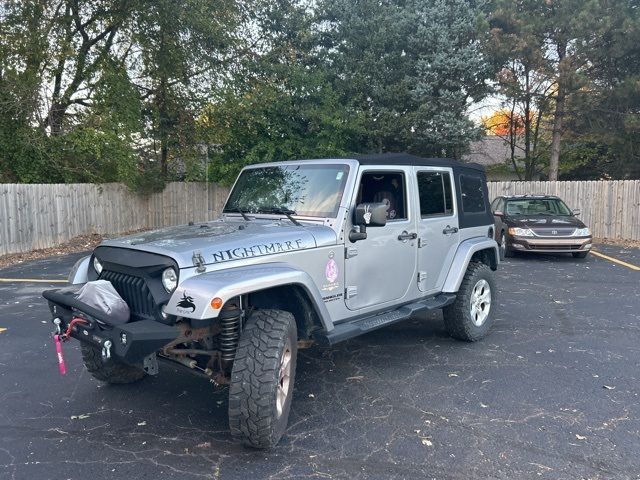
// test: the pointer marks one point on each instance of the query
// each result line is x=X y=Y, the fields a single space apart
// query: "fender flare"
x=463 y=256
x=80 y=271
x=232 y=282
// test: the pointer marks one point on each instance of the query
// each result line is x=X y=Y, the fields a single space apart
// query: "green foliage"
x=148 y=92
x=410 y=68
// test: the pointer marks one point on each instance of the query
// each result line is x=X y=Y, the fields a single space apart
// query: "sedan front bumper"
x=551 y=245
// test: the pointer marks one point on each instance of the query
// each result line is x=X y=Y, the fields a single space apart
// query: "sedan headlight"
x=97 y=266
x=169 y=280
x=520 y=232
x=582 y=232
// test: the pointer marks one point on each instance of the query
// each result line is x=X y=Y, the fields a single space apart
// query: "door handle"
x=404 y=236
x=449 y=230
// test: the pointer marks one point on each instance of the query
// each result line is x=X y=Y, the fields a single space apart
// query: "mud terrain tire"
x=458 y=319
x=259 y=396
x=111 y=371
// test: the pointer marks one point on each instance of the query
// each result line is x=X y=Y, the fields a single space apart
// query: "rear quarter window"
x=472 y=193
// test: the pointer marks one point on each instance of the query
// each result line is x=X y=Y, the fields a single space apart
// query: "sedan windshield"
x=306 y=190
x=537 y=206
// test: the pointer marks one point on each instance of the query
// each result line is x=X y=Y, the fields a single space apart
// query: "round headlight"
x=169 y=280
x=97 y=266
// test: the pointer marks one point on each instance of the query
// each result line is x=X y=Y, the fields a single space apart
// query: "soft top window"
x=472 y=192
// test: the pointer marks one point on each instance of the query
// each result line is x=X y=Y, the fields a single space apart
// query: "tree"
x=603 y=124
x=411 y=68
x=278 y=104
x=537 y=43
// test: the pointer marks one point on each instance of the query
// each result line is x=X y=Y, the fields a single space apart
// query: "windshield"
x=306 y=190
x=537 y=206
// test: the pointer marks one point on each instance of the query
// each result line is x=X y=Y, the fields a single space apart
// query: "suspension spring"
x=230 y=318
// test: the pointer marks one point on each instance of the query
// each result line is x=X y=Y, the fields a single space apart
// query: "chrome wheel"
x=480 y=302
x=284 y=379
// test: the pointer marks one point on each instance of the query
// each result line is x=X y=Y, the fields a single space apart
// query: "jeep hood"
x=225 y=240
x=543 y=221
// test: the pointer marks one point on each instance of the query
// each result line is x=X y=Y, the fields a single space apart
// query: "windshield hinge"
x=198 y=261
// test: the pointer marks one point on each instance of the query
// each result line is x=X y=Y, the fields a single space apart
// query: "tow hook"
x=106 y=350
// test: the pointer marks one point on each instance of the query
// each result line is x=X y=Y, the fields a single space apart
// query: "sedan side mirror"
x=576 y=212
x=368 y=215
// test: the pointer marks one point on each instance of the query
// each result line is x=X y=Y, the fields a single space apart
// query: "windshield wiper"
x=237 y=210
x=282 y=211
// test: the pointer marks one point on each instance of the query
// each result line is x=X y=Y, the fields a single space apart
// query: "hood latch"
x=198 y=261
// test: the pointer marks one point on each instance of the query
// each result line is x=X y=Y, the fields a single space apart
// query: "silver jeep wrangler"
x=313 y=250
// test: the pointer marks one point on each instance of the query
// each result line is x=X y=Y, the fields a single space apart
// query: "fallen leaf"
x=426 y=442
x=453 y=374
x=142 y=424
x=483 y=405
x=311 y=395
x=608 y=387
x=580 y=437
x=204 y=445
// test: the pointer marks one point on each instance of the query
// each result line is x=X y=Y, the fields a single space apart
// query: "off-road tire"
x=457 y=316
x=255 y=376
x=111 y=370
x=579 y=254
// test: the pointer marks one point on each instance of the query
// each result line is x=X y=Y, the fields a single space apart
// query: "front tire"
x=111 y=370
x=470 y=316
x=262 y=378
x=505 y=250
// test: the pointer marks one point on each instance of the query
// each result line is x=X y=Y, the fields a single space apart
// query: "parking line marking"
x=31 y=280
x=615 y=260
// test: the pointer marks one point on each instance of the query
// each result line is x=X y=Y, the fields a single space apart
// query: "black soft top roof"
x=408 y=159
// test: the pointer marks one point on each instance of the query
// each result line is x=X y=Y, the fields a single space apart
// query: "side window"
x=385 y=187
x=434 y=189
x=472 y=194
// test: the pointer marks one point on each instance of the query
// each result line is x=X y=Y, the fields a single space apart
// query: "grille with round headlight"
x=169 y=279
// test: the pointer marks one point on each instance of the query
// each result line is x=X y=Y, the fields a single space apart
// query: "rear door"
x=437 y=226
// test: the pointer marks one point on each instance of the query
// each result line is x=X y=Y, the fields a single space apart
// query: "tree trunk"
x=558 y=115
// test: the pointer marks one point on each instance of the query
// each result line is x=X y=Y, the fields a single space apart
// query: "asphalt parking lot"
x=552 y=393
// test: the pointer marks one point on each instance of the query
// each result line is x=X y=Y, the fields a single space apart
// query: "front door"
x=381 y=268
x=437 y=227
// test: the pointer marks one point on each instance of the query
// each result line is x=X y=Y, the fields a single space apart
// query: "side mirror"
x=576 y=212
x=368 y=215
x=371 y=214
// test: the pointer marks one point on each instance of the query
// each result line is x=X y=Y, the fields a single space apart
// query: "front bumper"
x=130 y=343
x=550 y=245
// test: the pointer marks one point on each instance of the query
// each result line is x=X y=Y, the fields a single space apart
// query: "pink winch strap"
x=61 y=366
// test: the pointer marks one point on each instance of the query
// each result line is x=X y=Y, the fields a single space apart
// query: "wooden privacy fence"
x=610 y=208
x=42 y=216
